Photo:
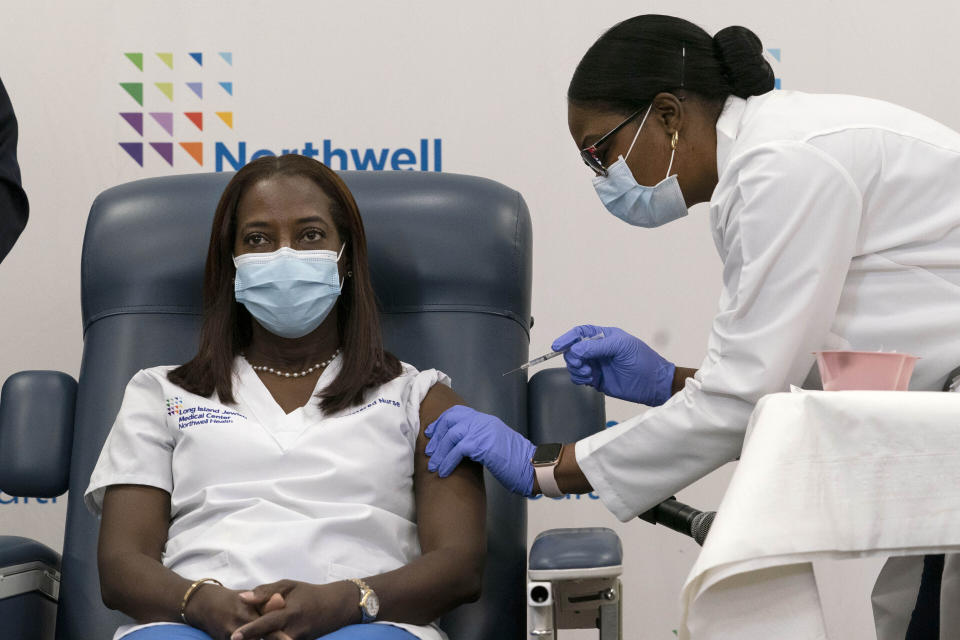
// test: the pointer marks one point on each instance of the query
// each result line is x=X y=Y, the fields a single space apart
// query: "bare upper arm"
x=135 y=519
x=451 y=511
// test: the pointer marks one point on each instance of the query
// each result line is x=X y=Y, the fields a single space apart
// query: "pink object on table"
x=865 y=370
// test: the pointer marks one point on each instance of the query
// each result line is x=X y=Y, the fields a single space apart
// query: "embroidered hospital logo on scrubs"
x=194 y=416
x=379 y=401
x=174 y=405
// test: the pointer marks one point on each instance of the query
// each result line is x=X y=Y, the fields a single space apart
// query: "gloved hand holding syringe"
x=552 y=354
x=606 y=358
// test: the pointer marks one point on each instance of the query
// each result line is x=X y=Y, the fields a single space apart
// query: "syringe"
x=552 y=354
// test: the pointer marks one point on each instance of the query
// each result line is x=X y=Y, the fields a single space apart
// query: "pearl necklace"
x=292 y=374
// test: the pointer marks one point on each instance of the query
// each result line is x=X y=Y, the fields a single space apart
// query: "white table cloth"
x=825 y=475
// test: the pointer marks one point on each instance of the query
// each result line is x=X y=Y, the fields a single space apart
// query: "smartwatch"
x=545 y=460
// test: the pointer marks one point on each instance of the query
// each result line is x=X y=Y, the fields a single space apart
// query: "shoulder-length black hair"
x=226 y=328
x=638 y=58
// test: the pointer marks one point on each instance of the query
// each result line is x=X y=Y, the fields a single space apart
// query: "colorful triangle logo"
x=227 y=86
x=135 y=120
x=196 y=117
x=135 y=89
x=198 y=58
x=227 y=57
x=135 y=150
x=195 y=149
x=167 y=59
x=166 y=88
x=165 y=120
x=197 y=88
x=165 y=149
x=136 y=59
x=227 y=117
x=775 y=53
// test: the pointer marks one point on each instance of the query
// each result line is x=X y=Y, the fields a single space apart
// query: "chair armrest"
x=36 y=433
x=560 y=411
x=29 y=589
x=15 y=550
x=27 y=565
x=575 y=554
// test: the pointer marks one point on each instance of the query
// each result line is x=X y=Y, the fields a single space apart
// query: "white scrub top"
x=838 y=222
x=257 y=495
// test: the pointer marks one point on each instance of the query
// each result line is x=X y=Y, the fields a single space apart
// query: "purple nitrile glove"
x=461 y=432
x=618 y=364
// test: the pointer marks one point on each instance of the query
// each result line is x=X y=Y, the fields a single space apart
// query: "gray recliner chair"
x=451 y=262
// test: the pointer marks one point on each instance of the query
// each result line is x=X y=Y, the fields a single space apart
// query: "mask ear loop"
x=673 y=150
x=683 y=78
x=637 y=134
x=342 y=280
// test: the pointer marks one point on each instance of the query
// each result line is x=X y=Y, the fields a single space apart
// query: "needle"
x=552 y=354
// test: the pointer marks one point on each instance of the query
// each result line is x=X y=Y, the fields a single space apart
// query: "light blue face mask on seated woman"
x=289 y=292
x=634 y=203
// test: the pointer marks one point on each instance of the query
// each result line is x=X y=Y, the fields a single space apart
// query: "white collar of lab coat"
x=728 y=127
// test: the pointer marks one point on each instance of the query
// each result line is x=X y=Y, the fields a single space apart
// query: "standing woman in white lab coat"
x=837 y=219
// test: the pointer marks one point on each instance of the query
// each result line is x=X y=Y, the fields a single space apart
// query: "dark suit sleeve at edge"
x=14 y=208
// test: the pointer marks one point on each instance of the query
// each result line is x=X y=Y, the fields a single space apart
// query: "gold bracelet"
x=190 y=591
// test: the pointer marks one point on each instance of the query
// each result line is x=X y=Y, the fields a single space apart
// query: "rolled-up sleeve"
x=790 y=223
x=413 y=394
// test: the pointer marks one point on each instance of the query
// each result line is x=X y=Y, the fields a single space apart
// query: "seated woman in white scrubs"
x=275 y=486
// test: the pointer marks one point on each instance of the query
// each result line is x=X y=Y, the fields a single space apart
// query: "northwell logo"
x=775 y=63
x=170 y=117
x=183 y=100
x=429 y=158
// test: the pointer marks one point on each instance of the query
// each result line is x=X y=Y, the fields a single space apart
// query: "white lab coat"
x=257 y=495
x=838 y=222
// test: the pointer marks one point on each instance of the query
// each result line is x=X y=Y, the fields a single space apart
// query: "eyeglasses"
x=589 y=154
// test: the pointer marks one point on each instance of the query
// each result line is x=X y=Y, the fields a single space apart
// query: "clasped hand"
x=283 y=610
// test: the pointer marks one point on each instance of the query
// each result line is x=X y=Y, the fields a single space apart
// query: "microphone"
x=681 y=518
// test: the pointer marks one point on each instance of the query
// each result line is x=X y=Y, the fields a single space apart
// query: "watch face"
x=547 y=453
x=371 y=604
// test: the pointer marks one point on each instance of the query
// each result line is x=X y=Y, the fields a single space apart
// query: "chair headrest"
x=438 y=242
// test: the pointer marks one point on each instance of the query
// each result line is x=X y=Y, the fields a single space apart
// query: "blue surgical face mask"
x=634 y=203
x=289 y=292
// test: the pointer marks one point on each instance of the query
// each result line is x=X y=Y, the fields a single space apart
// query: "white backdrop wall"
x=480 y=87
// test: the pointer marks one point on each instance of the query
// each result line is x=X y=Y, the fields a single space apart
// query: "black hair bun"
x=740 y=53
